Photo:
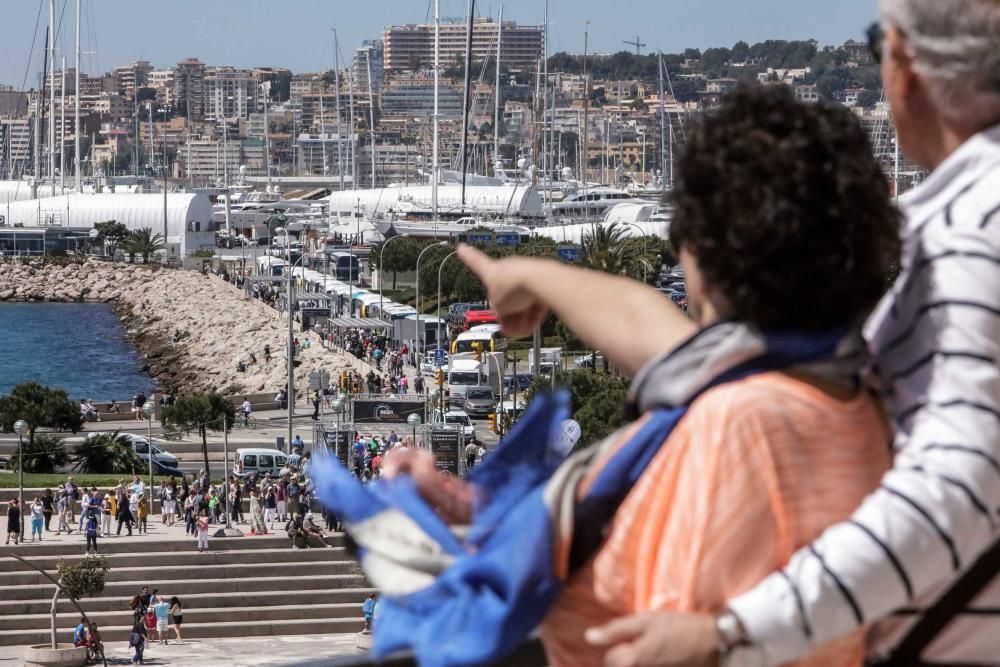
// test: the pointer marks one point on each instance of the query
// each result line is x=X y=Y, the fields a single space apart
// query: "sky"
x=298 y=34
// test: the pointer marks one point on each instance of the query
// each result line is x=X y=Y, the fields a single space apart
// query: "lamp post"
x=645 y=272
x=417 y=332
x=291 y=335
x=437 y=334
x=380 y=266
x=414 y=421
x=148 y=408
x=20 y=427
x=496 y=362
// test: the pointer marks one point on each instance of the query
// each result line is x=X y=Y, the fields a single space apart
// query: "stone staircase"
x=244 y=586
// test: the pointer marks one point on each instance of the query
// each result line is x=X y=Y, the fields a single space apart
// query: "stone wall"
x=191 y=328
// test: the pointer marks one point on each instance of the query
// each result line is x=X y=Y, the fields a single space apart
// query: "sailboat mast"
x=496 y=96
x=371 y=111
x=52 y=91
x=340 y=134
x=354 y=149
x=62 y=129
x=437 y=85
x=76 y=105
x=547 y=192
x=465 y=102
x=663 y=124
x=586 y=109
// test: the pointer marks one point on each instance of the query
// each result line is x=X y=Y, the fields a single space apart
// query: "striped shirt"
x=936 y=341
x=755 y=469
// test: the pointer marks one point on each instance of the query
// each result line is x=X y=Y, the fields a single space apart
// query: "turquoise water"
x=79 y=347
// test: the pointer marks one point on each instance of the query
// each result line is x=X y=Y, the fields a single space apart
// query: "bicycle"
x=248 y=422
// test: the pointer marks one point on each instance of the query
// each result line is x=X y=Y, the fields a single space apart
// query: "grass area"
x=8 y=480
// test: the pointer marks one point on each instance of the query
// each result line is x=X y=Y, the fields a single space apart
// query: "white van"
x=260 y=461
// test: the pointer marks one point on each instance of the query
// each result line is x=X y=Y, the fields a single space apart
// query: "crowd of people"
x=152 y=616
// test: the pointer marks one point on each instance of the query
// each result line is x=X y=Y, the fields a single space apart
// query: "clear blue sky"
x=297 y=33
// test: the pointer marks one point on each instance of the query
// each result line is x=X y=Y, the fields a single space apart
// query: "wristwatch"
x=735 y=647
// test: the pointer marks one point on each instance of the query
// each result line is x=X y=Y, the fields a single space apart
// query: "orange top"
x=755 y=470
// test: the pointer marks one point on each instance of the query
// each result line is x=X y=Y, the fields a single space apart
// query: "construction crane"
x=637 y=44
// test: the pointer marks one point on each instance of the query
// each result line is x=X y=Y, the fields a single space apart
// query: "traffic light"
x=345 y=381
x=478 y=349
x=438 y=376
x=493 y=421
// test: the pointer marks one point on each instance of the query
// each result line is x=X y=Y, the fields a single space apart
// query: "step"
x=309 y=625
x=151 y=559
x=123 y=544
x=215 y=573
x=127 y=589
x=42 y=605
x=122 y=617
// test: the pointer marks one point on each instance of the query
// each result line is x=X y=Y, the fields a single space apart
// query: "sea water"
x=79 y=347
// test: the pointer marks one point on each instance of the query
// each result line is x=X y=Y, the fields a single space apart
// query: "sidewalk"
x=242 y=652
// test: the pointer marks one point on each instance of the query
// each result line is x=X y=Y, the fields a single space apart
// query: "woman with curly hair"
x=784 y=226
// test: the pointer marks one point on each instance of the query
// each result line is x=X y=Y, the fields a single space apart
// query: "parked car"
x=522 y=381
x=480 y=401
x=261 y=461
x=427 y=366
x=140 y=445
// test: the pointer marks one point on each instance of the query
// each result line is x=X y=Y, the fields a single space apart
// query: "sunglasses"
x=876 y=40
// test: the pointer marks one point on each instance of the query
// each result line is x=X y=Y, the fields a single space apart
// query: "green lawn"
x=8 y=480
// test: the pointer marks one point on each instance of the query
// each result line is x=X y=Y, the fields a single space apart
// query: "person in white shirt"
x=936 y=343
x=245 y=407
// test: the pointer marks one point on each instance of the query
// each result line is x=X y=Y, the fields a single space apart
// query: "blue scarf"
x=468 y=600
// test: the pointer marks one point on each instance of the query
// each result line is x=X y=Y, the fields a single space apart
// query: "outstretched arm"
x=629 y=322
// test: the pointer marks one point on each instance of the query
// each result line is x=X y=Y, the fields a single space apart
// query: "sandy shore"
x=191 y=328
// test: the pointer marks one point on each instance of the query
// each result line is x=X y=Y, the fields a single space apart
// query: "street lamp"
x=414 y=421
x=20 y=427
x=291 y=335
x=645 y=272
x=380 y=266
x=437 y=334
x=417 y=332
x=148 y=408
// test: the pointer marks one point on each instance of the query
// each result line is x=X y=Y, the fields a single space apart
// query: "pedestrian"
x=203 y=531
x=62 y=509
x=149 y=621
x=257 y=524
x=168 y=506
x=137 y=640
x=47 y=506
x=280 y=497
x=368 y=610
x=162 y=612
x=124 y=515
x=13 y=521
x=189 y=515
x=315 y=401
x=470 y=455
x=37 y=519
x=177 y=616
x=142 y=512
x=91 y=530
x=270 y=506
x=293 y=490
x=107 y=511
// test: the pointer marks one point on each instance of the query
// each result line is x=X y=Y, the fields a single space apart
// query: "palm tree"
x=607 y=248
x=43 y=454
x=106 y=453
x=201 y=413
x=145 y=243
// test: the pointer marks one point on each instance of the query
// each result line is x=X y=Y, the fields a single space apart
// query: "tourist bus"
x=345 y=266
x=488 y=335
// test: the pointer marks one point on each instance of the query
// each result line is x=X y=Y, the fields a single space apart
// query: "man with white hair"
x=915 y=558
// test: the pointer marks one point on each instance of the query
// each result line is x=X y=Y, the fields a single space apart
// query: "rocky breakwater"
x=192 y=329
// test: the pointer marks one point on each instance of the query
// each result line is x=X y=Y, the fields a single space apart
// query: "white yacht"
x=590 y=202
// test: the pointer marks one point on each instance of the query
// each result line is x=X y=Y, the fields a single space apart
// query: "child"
x=92 y=530
x=203 y=531
x=368 y=609
x=137 y=640
x=143 y=512
x=162 y=611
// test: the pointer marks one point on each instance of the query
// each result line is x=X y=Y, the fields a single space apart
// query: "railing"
x=528 y=654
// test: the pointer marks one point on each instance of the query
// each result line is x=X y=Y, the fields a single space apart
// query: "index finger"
x=478 y=262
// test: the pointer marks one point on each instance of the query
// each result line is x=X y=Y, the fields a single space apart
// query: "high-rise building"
x=411 y=47
x=229 y=93
x=129 y=78
x=371 y=52
x=162 y=81
x=15 y=147
x=189 y=88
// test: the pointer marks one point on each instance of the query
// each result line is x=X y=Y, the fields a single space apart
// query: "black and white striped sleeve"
x=938 y=508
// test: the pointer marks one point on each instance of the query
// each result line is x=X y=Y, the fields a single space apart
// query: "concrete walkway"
x=242 y=652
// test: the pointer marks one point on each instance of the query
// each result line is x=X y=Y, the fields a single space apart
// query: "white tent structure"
x=574 y=233
x=11 y=191
x=189 y=224
x=509 y=199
